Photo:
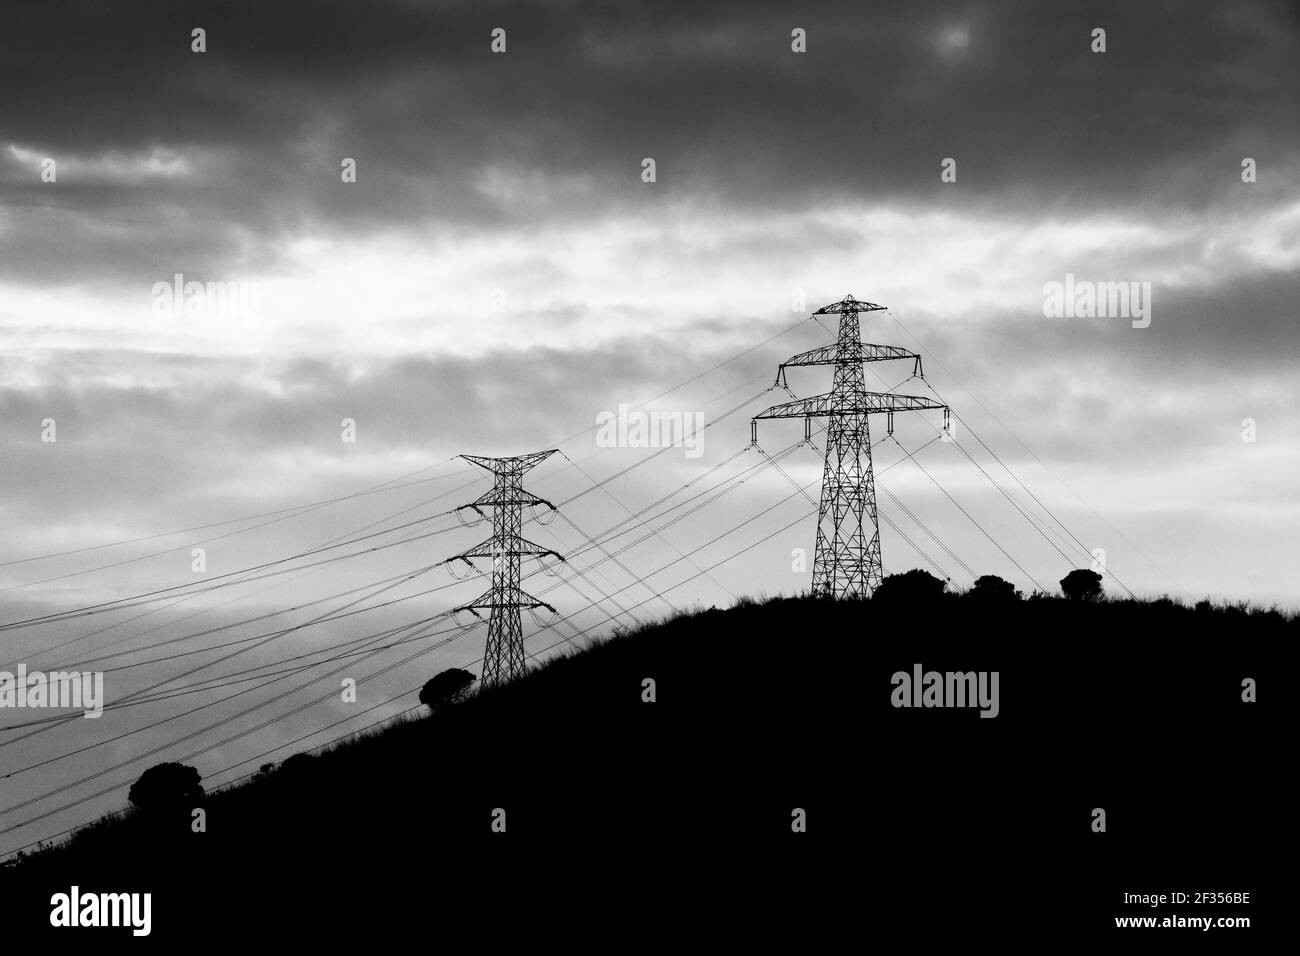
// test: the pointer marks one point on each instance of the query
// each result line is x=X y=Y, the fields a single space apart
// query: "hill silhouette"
x=760 y=710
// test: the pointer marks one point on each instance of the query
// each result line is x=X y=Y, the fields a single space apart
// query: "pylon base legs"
x=846 y=579
x=847 y=560
x=503 y=656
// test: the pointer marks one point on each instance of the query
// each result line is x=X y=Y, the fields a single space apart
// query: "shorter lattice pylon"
x=503 y=657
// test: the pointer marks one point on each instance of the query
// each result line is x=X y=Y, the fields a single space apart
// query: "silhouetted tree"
x=990 y=587
x=914 y=585
x=1081 y=585
x=166 y=787
x=445 y=687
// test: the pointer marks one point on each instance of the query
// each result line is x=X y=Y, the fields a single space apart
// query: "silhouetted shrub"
x=166 y=787
x=1081 y=585
x=296 y=764
x=445 y=687
x=990 y=587
x=914 y=585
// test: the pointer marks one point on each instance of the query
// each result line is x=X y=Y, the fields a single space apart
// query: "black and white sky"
x=500 y=274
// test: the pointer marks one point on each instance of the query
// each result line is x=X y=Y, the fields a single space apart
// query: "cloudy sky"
x=500 y=274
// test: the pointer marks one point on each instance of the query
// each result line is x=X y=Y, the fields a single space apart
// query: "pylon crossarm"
x=890 y=402
x=822 y=356
x=487 y=549
x=481 y=550
x=487 y=606
x=528 y=601
x=833 y=355
x=472 y=608
x=527 y=548
x=509 y=466
x=508 y=496
x=884 y=353
x=849 y=304
x=831 y=404
x=471 y=507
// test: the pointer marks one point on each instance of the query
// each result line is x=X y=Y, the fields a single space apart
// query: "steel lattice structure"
x=847 y=561
x=503 y=659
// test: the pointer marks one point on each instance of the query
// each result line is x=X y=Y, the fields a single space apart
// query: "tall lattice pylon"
x=847 y=561
x=503 y=659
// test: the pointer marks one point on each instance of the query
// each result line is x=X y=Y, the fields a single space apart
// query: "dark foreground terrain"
x=670 y=822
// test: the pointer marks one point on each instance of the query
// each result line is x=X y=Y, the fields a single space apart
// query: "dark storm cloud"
x=587 y=90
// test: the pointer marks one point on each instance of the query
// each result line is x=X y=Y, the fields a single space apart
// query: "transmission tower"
x=847 y=561
x=503 y=660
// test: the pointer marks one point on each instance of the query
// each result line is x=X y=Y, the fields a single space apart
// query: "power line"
x=389 y=517
x=222 y=700
x=969 y=516
x=330 y=694
x=389 y=485
x=190 y=736
x=897 y=530
x=276 y=633
x=1030 y=452
x=165 y=720
x=208 y=584
x=194 y=670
